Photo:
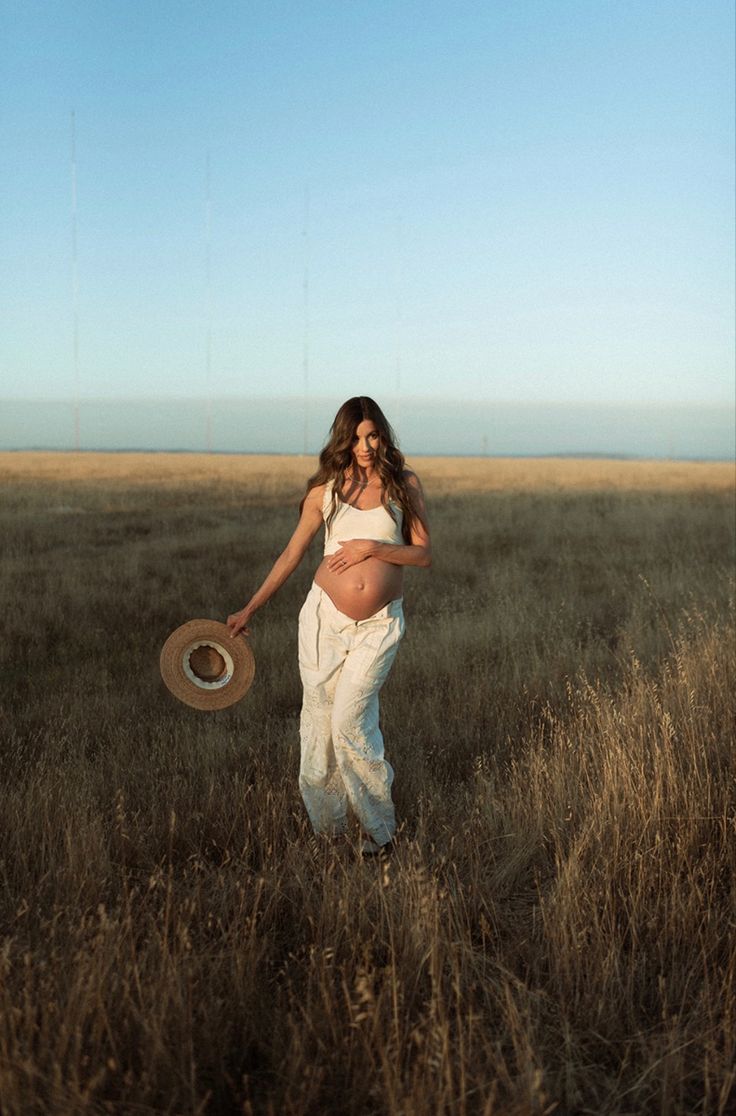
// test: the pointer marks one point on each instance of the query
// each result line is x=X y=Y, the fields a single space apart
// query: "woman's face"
x=365 y=443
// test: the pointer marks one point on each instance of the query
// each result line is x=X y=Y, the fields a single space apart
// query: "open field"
x=556 y=930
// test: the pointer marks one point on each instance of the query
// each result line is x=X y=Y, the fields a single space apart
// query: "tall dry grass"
x=556 y=930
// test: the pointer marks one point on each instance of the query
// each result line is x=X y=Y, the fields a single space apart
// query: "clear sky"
x=520 y=201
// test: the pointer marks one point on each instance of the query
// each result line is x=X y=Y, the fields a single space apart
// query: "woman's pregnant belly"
x=361 y=589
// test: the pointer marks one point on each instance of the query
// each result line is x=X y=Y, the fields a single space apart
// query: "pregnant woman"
x=352 y=620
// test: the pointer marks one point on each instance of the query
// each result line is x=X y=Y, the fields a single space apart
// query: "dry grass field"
x=556 y=930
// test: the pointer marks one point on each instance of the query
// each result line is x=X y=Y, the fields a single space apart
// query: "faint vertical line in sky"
x=398 y=314
x=75 y=281
x=208 y=278
x=305 y=322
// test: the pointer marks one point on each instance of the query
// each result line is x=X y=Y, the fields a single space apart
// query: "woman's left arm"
x=417 y=553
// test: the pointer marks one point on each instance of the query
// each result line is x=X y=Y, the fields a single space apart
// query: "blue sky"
x=517 y=201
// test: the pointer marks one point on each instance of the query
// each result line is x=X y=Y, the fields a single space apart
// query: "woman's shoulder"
x=318 y=494
x=411 y=480
x=414 y=492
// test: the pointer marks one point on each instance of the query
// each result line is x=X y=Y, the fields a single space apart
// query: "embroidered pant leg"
x=356 y=735
x=321 y=654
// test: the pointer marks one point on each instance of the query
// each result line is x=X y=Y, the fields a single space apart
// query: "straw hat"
x=203 y=666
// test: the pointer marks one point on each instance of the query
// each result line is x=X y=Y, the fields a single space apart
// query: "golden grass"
x=450 y=474
x=556 y=930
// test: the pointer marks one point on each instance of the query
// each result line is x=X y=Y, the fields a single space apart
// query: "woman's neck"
x=363 y=478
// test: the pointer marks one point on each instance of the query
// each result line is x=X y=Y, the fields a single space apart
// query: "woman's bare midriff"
x=362 y=589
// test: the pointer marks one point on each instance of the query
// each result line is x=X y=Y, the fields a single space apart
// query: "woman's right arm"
x=309 y=524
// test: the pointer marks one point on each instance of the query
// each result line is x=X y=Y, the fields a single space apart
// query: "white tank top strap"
x=327 y=498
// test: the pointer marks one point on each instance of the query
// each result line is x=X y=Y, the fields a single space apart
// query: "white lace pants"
x=343 y=664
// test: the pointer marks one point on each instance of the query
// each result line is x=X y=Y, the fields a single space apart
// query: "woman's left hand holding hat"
x=238 y=622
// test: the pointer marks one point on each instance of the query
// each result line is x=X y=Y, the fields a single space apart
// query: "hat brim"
x=207 y=691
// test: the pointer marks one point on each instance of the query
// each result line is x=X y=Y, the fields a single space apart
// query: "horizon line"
x=567 y=455
x=421 y=399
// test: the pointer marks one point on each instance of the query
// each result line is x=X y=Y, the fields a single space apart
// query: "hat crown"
x=207 y=663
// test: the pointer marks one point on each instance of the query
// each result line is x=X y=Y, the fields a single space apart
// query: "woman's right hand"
x=237 y=622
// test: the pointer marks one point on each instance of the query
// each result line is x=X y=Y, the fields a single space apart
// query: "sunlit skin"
x=363 y=575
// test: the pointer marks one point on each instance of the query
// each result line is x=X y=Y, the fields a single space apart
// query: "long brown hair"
x=337 y=458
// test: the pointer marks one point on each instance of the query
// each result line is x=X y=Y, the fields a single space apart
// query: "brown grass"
x=556 y=930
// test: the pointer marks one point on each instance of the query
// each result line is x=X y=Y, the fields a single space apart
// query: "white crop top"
x=354 y=523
